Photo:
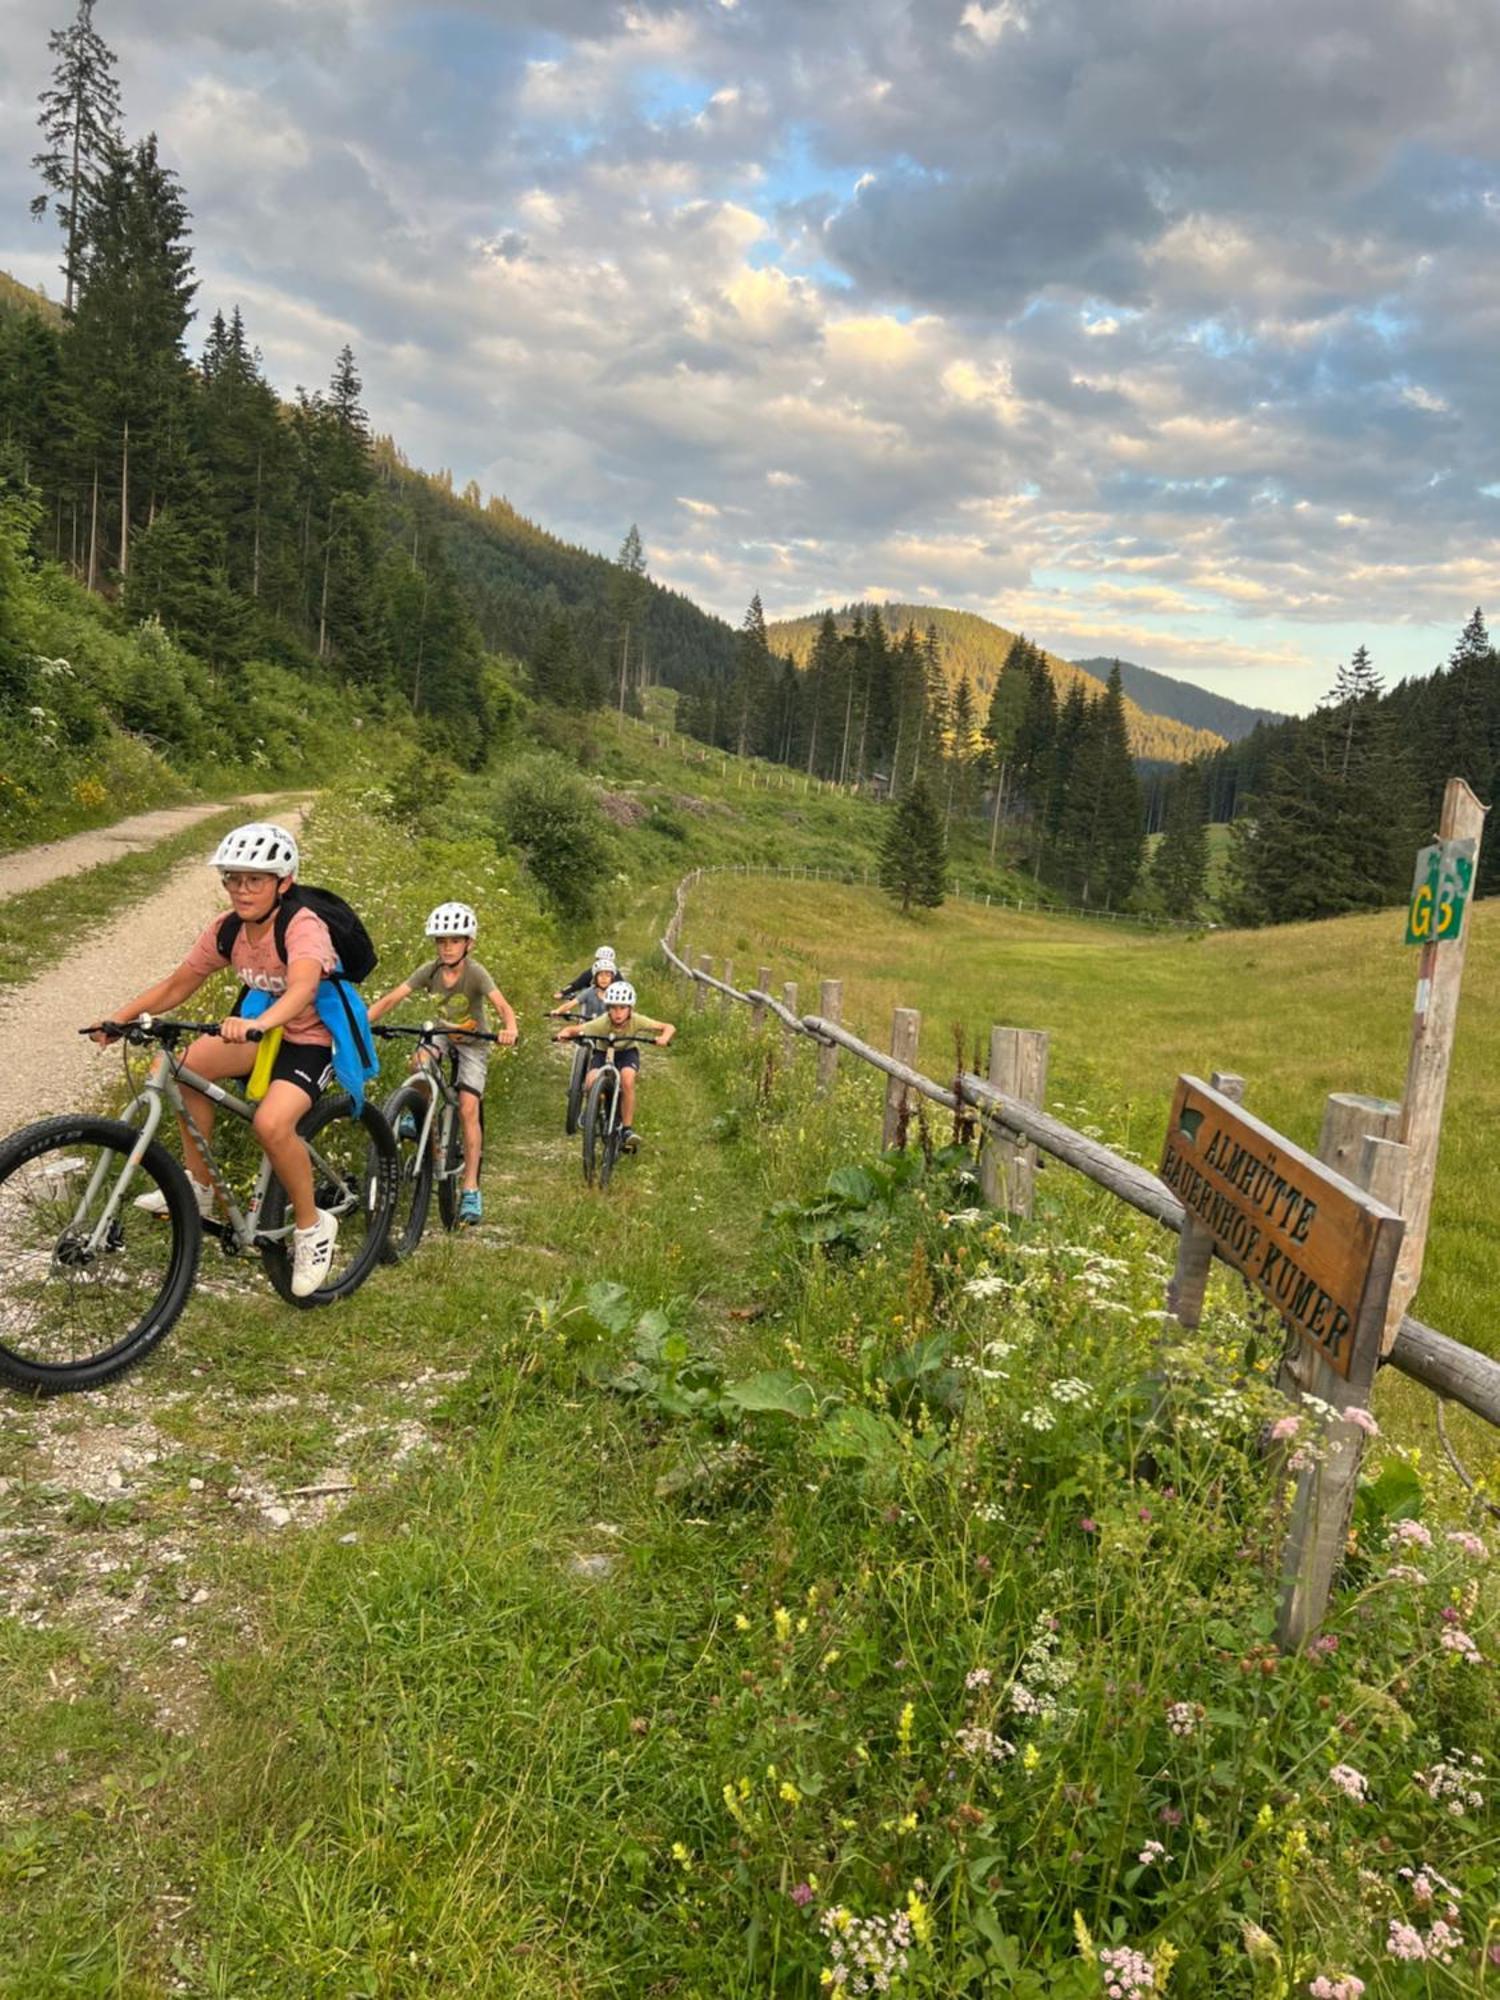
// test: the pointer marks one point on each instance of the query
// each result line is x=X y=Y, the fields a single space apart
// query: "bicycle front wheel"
x=354 y=1178
x=575 y=1090
x=598 y=1104
x=413 y=1170
x=81 y=1298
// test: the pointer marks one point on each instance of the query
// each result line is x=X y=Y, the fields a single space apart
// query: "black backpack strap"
x=229 y=930
x=286 y=909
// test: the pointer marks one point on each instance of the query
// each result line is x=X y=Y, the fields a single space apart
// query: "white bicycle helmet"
x=604 y=959
x=260 y=846
x=452 y=920
x=619 y=994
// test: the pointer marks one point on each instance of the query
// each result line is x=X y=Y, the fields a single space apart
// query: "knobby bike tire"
x=369 y=1182
x=27 y=1214
x=450 y=1187
x=414 y=1171
x=609 y=1152
x=575 y=1090
x=596 y=1109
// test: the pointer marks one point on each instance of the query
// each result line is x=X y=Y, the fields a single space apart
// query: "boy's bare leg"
x=217 y=1061
x=627 y=1095
x=468 y=1111
x=281 y=1110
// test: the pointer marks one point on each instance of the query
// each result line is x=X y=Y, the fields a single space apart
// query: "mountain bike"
x=89 y=1284
x=599 y=1120
x=577 y=1077
x=424 y=1118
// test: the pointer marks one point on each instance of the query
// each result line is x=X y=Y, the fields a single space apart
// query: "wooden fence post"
x=1195 y=1246
x=757 y=1007
x=725 y=1003
x=906 y=1026
x=789 y=1001
x=1324 y=1499
x=700 y=991
x=830 y=1006
x=1018 y=1068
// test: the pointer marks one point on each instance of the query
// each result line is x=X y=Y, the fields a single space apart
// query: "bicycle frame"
x=442 y=1110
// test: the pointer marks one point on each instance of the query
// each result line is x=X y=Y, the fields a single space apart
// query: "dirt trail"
x=35 y=867
x=44 y=1066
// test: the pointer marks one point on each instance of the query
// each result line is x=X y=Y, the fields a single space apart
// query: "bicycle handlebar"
x=612 y=1041
x=431 y=1030
x=166 y=1032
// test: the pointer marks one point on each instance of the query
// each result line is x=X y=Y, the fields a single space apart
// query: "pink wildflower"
x=1128 y=1974
x=1469 y=1545
x=1183 y=1717
x=1338 y=1986
x=1409 y=1535
x=1152 y=1853
x=1404 y=1941
x=1456 y=1640
x=1361 y=1420
x=1353 y=1784
x=803 y=1894
x=1284 y=1428
x=977 y=1677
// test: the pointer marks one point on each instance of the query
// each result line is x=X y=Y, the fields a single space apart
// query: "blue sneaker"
x=406 y=1128
x=471 y=1206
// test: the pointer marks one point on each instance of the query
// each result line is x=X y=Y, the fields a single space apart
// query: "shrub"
x=550 y=815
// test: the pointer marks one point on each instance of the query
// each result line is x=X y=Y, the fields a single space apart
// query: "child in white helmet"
x=257 y=864
x=459 y=988
x=584 y=999
x=620 y=1018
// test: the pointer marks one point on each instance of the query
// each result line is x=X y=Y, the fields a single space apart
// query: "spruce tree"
x=80 y=122
x=629 y=595
x=1180 y=866
x=1115 y=864
x=822 y=670
x=914 y=850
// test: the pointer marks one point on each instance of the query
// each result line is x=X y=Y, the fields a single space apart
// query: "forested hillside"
x=1180 y=700
x=976 y=649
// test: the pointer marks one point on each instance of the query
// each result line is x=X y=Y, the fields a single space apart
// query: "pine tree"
x=914 y=850
x=80 y=122
x=752 y=689
x=1180 y=866
x=822 y=669
x=630 y=594
x=1002 y=729
x=1115 y=865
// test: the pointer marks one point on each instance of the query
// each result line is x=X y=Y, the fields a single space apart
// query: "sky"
x=1159 y=328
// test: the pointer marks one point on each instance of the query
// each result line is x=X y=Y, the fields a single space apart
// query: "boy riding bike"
x=460 y=987
x=604 y=960
x=620 y=1018
x=587 y=1001
x=257 y=864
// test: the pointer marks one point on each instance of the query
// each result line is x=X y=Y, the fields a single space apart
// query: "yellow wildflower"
x=1085 y=1942
x=741 y=1622
x=907 y=1823
x=1030 y=1757
x=783 y=1622
x=801 y=1626
x=829 y=1657
x=790 y=1793
x=681 y=1856
x=904 y=1729
x=1163 y=1957
x=1264 y=1818
x=919 y=1916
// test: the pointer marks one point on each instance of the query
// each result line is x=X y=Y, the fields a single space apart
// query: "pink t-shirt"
x=260 y=967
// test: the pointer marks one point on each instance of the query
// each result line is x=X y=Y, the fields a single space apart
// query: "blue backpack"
x=340 y=1004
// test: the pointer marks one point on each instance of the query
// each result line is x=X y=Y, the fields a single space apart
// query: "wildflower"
x=1070 y=1390
x=1152 y=1853
x=1454 y=1781
x=1183 y=1717
x=1284 y=1428
x=1361 y=1420
x=977 y=1677
x=907 y=1823
x=741 y=1622
x=985 y=1286
x=1038 y=1419
x=1404 y=1940
x=869 y=1953
x=1089 y=1526
x=1456 y=1640
x=919 y=1916
x=802 y=1894
x=1353 y=1784
x=1324 y=1646
x=1336 y=1986
x=681 y=1856
x=1442 y=1941
x=981 y=1744
x=904 y=1728
x=1468 y=1544
x=1030 y=1757
x=1405 y=1573
x=1128 y=1974
x=783 y=1622
x=789 y=1793
x=1409 y=1535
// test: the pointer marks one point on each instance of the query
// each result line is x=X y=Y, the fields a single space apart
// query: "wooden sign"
x=1317 y=1247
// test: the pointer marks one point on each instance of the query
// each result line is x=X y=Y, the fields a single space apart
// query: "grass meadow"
x=744 y=1583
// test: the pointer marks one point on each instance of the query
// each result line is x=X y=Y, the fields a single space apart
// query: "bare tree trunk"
x=812 y=740
x=848 y=719
x=999 y=804
x=125 y=502
x=323 y=605
x=94 y=532
x=624 y=668
x=416 y=686
x=255 y=557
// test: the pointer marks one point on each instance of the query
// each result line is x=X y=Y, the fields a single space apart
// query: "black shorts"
x=624 y=1059
x=307 y=1064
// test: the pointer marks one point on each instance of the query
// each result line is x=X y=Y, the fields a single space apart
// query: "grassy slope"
x=417 y=1750
x=977 y=646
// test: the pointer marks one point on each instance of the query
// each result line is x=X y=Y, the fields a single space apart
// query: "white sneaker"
x=312 y=1254
x=155 y=1203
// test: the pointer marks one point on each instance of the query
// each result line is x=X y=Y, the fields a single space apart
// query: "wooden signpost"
x=1322 y=1252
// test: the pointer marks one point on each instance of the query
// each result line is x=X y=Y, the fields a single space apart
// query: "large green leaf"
x=775 y=1389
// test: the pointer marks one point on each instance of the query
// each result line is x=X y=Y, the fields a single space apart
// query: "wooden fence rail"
x=1452 y=1371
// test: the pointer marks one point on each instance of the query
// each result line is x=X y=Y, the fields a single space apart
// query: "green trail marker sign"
x=1440 y=892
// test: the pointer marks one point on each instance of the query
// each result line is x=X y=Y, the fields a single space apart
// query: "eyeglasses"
x=233 y=880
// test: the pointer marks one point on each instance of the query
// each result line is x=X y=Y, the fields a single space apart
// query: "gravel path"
x=45 y=1067
x=34 y=867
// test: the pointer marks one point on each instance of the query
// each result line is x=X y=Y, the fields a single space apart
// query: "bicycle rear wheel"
x=354 y=1178
x=76 y=1312
x=450 y=1187
x=414 y=1170
x=575 y=1089
x=597 y=1105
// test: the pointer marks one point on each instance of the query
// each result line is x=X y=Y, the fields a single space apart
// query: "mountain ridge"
x=977 y=646
x=1184 y=701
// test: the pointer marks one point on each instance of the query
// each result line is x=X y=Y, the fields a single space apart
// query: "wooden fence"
x=1006 y=1108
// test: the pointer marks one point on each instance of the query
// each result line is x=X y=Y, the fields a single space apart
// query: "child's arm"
x=389 y=1000
x=302 y=977
x=569 y=1007
x=507 y=1014
x=158 y=999
x=668 y=1030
